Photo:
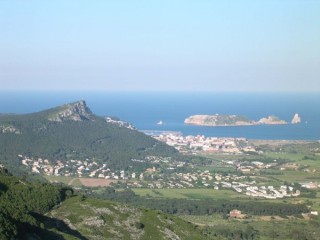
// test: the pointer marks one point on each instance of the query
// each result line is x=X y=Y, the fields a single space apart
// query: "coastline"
x=145 y=109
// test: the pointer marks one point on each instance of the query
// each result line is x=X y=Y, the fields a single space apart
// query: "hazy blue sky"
x=270 y=45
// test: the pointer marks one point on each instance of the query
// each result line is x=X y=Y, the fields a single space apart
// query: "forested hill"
x=22 y=204
x=72 y=131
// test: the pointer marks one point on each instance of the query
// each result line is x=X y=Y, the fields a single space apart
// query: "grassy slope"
x=99 y=219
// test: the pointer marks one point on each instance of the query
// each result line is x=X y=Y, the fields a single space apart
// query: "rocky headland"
x=77 y=111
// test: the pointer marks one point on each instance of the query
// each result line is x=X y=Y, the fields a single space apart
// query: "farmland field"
x=191 y=193
x=79 y=182
x=96 y=182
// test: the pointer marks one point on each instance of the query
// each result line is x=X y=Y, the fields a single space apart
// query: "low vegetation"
x=100 y=219
x=46 y=211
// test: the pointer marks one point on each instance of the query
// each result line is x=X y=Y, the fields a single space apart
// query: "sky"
x=160 y=45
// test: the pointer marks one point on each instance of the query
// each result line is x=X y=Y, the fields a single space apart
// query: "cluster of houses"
x=78 y=168
x=248 y=167
x=207 y=144
x=152 y=178
x=270 y=192
x=92 y=169
x=170 y=176
x=174 y=180
x=217 y=181
x=310 y=185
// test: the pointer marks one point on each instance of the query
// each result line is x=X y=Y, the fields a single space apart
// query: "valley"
x=283 y=174
x=160 y=120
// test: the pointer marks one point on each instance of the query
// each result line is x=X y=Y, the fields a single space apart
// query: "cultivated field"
x=96 y=182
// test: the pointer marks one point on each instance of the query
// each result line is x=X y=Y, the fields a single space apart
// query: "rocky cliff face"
x=77 y=111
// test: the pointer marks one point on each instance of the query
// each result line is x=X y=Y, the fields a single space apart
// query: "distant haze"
x=160 y=45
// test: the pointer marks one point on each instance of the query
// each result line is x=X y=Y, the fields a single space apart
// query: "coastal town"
x=189 y=144
x=174 y=175
x=242 y=176
x=195 y=144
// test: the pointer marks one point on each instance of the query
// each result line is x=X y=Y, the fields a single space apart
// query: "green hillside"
x=100 y=219
x=73 y=132
x=40 y=211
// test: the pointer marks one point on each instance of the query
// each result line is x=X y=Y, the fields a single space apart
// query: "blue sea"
x=145 y=109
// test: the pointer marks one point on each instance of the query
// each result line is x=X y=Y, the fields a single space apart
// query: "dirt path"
x=72 y=180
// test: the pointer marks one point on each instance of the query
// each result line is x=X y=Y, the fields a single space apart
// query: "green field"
x=75 y=182
x=191 y=193
x=266 y=228
x=285 y=155
x=299 y=154
x=292 y=176
x=213 y=169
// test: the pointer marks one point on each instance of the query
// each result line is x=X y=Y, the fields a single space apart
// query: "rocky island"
x=230 y=120
x=218 y=120
x=296 y=119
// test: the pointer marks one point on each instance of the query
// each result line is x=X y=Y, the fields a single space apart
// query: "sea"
x=145 y=110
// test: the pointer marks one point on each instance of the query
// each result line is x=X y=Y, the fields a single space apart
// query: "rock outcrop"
x=296 y=119
x=120 y=123
x=77 y=111
x=9 y=129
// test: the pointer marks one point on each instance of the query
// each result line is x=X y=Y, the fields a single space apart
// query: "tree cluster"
x=21 y=203
x=204 y=206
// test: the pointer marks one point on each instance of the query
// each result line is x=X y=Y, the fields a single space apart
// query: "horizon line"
x=155 y=91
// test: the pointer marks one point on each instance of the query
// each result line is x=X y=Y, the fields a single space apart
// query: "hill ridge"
x=72 y=131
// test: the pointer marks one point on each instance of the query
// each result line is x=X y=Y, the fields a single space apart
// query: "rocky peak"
x=77 y=111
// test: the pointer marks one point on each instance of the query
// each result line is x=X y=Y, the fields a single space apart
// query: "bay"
x=146 y=109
